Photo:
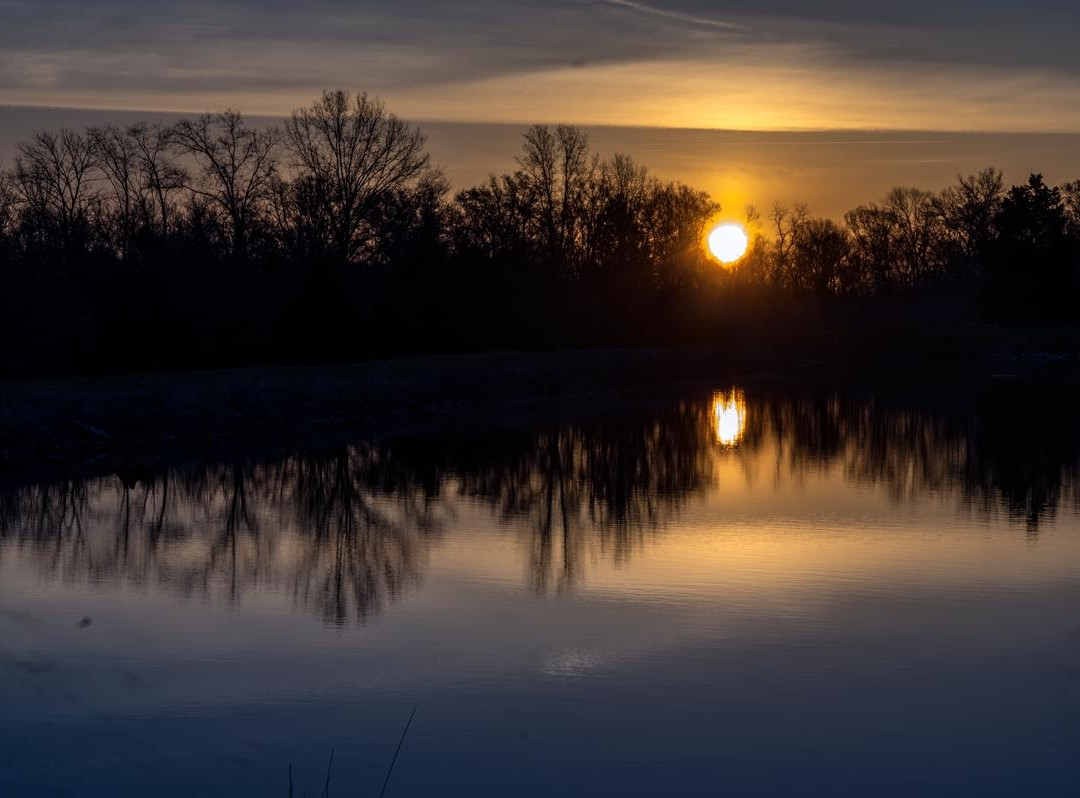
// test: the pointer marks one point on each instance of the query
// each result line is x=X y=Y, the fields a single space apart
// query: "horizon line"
x=611 y=125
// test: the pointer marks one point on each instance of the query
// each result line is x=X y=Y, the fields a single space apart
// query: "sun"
x=728 y=242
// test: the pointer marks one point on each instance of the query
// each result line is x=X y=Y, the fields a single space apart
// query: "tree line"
x=1016 y=249
x=333 y=236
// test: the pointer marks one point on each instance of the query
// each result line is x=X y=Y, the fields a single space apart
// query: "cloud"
x=524 y=59
x=679 y=16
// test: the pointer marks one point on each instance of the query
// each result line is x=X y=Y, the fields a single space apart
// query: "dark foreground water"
x=743 y=592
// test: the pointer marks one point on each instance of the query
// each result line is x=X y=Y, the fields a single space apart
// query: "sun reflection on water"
x=729 y=416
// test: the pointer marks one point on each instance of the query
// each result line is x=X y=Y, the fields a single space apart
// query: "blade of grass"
x=397 y=751
x=326 y=787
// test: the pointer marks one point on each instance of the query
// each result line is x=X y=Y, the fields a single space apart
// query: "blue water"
x=744 y=592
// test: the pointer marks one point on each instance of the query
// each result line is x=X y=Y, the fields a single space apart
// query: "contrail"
x=645 y=8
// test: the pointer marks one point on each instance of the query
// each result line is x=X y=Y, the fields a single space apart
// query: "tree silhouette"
x=1033 y=261
x=968 y=210
x=54 y=174
x=236 y=169
x=213 y=242
x=159 y=175
x=351 y=155
x=557 y=168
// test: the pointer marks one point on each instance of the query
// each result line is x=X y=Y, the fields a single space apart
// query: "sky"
x=954 y=65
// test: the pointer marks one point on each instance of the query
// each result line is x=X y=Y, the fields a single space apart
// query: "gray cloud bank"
x=151 y=53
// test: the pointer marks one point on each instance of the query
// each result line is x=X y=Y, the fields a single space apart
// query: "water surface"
x=743 y=591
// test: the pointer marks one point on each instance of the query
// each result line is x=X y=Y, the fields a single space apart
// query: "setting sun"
x=728 y=242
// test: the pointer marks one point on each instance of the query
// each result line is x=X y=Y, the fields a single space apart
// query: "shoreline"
x=95 y=425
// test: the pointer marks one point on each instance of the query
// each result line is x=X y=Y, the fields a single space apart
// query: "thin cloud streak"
x=664 y=13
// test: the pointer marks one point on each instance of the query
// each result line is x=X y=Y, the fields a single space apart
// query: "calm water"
x=744 y=592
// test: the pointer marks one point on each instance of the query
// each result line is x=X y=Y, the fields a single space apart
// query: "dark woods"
x=1015 y=251
x=213 y=242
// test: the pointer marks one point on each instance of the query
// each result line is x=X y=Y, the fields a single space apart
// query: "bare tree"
x=787 y=225
x=8 y=200
x=917 y=232
x=673 y=228
x=159 y=174
x=557 y=163
x=1070 y=196
x=237 y=168
x=54 y=173
x=617 y=204
x=299 y=218
x=115 y=159
x=353 y=153
x=821 y=249
x=497 y=219
x=873 y=245
x=967 y=211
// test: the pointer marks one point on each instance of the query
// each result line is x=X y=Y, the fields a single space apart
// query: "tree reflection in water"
x=607 y=484
x=348 y=529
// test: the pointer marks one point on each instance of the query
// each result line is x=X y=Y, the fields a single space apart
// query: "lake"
x=757 y=589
